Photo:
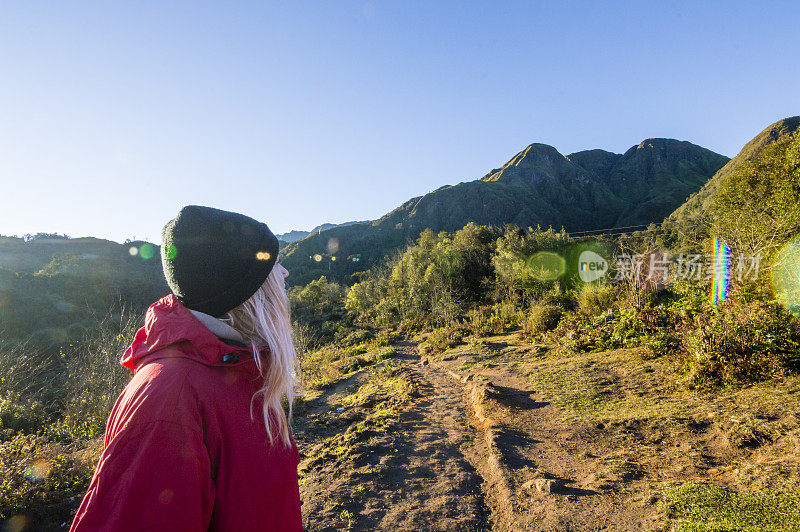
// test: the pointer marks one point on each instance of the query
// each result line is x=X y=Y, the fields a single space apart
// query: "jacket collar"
x=171 y=330
x=219 y=328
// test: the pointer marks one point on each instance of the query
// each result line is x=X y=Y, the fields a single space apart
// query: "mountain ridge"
x=586 y=190
x=297 y=234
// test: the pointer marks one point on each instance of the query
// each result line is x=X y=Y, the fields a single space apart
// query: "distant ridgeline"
x=587 y=190
x=293 y=236
x=54 y=287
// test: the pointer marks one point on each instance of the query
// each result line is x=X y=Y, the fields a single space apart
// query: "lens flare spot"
x=333 y=259
x=146 y=251
x=786 y=276
x=133 y=250
x=58 y=335
x=333 y=245
x=547 y=266
x=231 y=377
x=170 y=252
x=18 y=523
x=263 y=255
x=37 y=471
x=165 y=497
x=318 y=257
x=721 y=272
x=63 y=306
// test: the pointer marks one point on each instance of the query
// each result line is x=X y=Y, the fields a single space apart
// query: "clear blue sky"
x=114 y=114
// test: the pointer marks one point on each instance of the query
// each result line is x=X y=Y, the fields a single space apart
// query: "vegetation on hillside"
x=54 y=290
x=734 y=193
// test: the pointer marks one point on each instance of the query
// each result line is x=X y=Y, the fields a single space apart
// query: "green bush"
x=441 y=340
x=496 y=319
x=611 y=330
x=20 y=415
x=542 y=318
x=348 y=337
x=559 y=297
x=306 y=337
x=663 y=344
x=38 y=480
x=384 y=338
x=478 y=323
x=384 y=354
x=596 y=298
x=506 y=316
x=744 y=341
x=355 y=363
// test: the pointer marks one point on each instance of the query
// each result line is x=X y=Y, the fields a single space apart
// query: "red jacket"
x=181 y=451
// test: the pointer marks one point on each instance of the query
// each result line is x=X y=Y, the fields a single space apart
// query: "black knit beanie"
x=215 y=260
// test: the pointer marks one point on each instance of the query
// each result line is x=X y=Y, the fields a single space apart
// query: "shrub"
x=744 y=341
x=384 y=338
x=355 y=363
x=542 y=318
x=347 y=337
x=505 y=316
x=611 y=330
x=478 y=322
x=306 y=337
x=39 y=482
x=557 y=296
x=441 y=340
x=663 y=344
x=596 y=298
x=385 y=353
x=20 y=415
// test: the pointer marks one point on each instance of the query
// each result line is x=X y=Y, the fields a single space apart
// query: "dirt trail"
x=472 y=450
x=417 y=477
x=431 y=466
x=450 y=406
x=545 y=474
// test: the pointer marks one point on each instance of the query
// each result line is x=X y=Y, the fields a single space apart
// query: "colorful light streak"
x=721 y=272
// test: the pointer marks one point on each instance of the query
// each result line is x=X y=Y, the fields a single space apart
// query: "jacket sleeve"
x=151 y=476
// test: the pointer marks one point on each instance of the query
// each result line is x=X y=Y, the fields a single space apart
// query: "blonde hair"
x=264 y=319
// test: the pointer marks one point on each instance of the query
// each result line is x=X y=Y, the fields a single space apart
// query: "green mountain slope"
x=690 y=222
x=653 y=177
x=539 y=186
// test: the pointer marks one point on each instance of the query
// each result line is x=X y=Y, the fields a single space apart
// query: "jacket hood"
x=172 y=330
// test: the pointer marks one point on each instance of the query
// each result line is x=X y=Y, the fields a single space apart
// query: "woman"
x=199 y=440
